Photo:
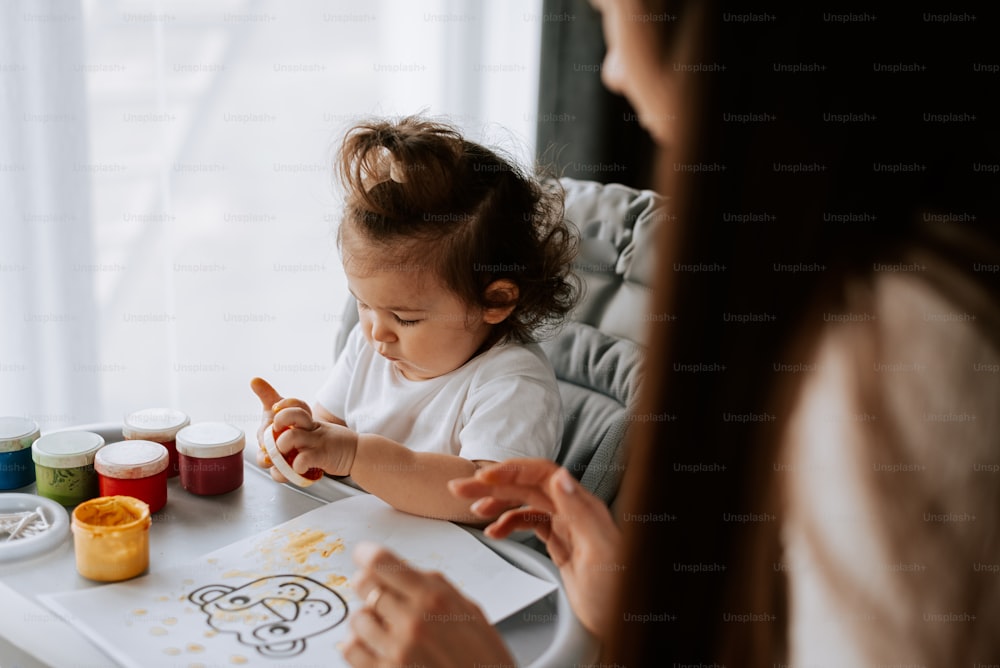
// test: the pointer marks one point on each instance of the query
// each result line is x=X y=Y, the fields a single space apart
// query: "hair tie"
x=384 y=168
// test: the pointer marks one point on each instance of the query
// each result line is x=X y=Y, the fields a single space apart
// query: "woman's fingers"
x=384 y=569
x=519 y=520
x=358 y=654
x=524 y=481
x=535 y=495
x=367 y=625
x=556 y=536
x=527 y=471
x=489 y=507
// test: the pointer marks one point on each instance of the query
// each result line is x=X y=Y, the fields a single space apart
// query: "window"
x=205 y=250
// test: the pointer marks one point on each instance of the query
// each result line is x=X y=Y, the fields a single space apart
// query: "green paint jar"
x=64 y=466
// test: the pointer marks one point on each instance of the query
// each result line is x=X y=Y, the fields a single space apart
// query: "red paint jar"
x=211 y=457
x=134 y=468
x=159 y=425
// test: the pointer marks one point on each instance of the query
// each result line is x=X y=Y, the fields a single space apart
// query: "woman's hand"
x=416 y=618
x=576 y=526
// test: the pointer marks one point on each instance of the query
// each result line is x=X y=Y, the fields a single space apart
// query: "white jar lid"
x=66 y=449
x=129 y=460
x=17 y=433
x=208 y=440
x=154 y=424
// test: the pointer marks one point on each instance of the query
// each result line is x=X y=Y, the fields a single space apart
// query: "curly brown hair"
x=415 y=188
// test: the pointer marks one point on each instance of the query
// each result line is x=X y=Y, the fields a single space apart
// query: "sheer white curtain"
x=189 y=237
x=49 y=364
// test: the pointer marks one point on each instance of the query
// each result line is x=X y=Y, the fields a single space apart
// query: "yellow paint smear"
x=239 y=574
x=303 y=544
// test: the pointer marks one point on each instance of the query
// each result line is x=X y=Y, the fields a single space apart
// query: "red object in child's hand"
x=311 y=474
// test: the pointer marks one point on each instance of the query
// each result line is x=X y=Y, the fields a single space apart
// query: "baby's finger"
x=276 y=475
x=293 y=417
x=305 y=459
x=291 y=402
x=268 y=395
x=263 y=460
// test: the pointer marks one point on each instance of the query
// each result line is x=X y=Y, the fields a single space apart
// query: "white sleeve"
x=517 y=413
x=890 y=533
x=332 y=395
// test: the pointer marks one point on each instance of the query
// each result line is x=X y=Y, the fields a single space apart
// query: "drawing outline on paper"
x=273 y=614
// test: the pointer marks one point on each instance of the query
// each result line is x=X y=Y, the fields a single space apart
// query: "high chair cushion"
x=597 y=355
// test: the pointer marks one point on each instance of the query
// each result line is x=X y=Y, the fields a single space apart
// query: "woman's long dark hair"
x=832 y=148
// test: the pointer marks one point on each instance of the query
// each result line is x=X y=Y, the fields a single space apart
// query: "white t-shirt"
x=500 y=404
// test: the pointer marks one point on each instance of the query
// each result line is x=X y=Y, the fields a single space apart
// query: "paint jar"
x=159 y=425
x=134 y=468
x=64 y=466
x=211 y=457
x=111 y=538
x=16 y=436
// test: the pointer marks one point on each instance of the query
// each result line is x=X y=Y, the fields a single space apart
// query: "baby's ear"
x=504 y=293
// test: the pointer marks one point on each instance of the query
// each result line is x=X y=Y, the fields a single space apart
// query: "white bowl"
x=33 y=546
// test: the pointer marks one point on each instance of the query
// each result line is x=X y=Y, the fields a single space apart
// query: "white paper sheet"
x=282 y=597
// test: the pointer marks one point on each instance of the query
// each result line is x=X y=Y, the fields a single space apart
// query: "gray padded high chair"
x=598 y=352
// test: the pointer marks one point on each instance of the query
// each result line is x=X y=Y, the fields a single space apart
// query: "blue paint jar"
x=16 y=436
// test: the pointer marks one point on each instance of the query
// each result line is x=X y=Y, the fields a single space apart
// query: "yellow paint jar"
x=111 y=537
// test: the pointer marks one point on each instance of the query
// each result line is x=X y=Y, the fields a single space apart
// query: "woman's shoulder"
x=892 y=452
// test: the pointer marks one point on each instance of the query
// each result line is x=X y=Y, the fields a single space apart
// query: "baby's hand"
x=310 y=444
x=272 y=402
